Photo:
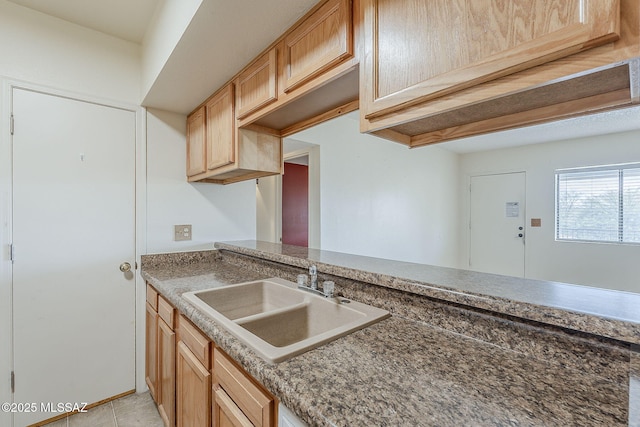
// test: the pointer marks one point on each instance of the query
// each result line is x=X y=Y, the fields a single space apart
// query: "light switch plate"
x=182 y=232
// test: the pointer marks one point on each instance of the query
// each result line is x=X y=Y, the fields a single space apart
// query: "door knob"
x=125 y=267
x=520 y=234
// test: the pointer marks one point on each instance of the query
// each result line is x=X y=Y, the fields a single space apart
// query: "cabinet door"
x=226 y=413
x=166 y=373
x=196 y=156
x=257 y=405
x=220 y=128
x=151 y=351
x=193 y=390
x=416 y=50
x=322 y=41
x=256 y=86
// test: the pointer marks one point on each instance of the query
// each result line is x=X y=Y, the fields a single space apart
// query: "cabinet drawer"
x=254 y=402
x=166 y=312
x=195 y=341
x=152 y=297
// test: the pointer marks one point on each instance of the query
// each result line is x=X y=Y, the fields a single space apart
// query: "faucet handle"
x=328 y=288
x=302 y=280
x=313 y=270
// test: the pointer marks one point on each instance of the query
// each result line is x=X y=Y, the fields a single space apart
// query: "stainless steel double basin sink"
x=278 y=320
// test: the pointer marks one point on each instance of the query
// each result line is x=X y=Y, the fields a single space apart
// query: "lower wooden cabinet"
x=226 y=413
x=193 y=379
x=255 y=403
x=195 y=383
x=193 y=397
x=166 y=384
x=160 y=346
x=151 y=347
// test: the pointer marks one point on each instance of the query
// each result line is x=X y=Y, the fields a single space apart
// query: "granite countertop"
x=603 y=312
x=402 y=372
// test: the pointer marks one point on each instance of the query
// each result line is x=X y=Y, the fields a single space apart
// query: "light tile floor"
x=135 y=410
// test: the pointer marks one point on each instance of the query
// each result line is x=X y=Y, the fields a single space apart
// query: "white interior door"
x=73 y=225
x=497 y=224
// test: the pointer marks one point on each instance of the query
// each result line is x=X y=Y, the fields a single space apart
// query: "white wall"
x=51 y=53
x=216 y=212
x=5 y=263
x=165 y=30
x=268 y=199
x=597 y=264
x=38 y=48
x=381 y=199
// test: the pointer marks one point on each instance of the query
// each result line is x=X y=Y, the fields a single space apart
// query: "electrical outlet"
x=182 y=232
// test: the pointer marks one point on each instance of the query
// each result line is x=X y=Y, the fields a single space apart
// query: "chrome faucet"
x=313 y=274
x=327 y=288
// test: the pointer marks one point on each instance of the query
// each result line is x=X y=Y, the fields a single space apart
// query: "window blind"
x=599 y=204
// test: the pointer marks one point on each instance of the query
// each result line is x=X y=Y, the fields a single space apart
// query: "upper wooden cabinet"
x=320 y=42
x=229 y=154
x=211 y=135
x=436 y=70
x=196 y=154
x=308 y=75
x=417 y=50
x=257 y=84
x=220 y=119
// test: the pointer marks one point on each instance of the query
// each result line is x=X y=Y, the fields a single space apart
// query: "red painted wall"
x=295 y=205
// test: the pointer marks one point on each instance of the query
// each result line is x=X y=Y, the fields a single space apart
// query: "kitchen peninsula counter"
x=608 y=313
x=430 y=364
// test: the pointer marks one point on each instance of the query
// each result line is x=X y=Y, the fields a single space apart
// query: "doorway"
x=269 y=195
x=295 y=202
x=73 y=227
x=497 y=223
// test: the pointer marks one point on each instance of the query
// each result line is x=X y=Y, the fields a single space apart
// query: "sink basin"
x=280 y=321
x=247 y=299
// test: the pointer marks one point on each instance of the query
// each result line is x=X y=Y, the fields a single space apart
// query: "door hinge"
x=11 y=124
x=12 y=252
x=13 y=382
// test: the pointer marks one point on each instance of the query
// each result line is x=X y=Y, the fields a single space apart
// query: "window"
x=599 y=204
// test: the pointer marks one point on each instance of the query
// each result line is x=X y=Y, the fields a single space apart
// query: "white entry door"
x=497 y=224
x=73 y=226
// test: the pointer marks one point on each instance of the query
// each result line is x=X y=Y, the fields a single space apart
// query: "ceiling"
x=622 y=120
x=124 y=19
x=222 y=37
